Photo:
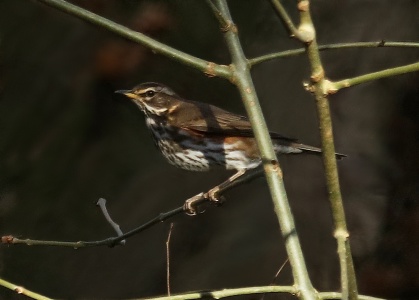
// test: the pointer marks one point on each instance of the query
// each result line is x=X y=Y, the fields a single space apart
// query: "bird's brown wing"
x=216 y=121
x=210 y=120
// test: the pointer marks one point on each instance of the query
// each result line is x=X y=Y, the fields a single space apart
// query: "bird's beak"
x=127 y=93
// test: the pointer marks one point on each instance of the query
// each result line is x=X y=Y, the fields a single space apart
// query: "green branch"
x=251 y=291
x=209 y=68
x=319 y=83
x=295 y=52
x=225 y=293
x=288 y=23
x=338 y=85
x=242 y=79
x=21 y=290
x=230 y=293
x=223 y=22
x=339 y=296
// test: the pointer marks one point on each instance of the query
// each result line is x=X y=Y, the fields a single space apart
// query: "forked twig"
x=113 y=241
x=102 y=204
x=276 y=275
x=168 y=259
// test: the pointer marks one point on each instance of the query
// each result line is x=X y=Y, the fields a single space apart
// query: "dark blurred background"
x=66 y=140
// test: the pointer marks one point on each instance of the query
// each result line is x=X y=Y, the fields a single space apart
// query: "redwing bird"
x=198 y=136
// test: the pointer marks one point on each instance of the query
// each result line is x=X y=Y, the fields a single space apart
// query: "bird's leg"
x=212 y=195
x=189 y=207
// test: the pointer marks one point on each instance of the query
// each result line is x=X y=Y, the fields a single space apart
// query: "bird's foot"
x=190 y=205
x=214 y=197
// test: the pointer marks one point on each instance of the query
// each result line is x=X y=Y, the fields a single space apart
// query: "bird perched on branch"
x=198 y=136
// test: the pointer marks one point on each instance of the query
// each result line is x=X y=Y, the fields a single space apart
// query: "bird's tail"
x=301 y=148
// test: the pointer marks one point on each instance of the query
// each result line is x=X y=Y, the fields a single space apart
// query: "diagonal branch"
x=338 y=85
x=288 y=23
x=221 y=19
x=21 y=290
x=209 y=68
x=113 y=241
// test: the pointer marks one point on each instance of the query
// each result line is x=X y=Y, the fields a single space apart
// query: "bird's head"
x=153 y=98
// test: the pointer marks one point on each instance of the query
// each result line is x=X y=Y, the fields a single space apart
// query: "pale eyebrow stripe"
x=144 y=91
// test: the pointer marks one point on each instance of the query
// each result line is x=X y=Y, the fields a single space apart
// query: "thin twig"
x=168 y=259
x=102 y=204
x=280 y=270
x=295 y=52
x=113 y=241
x=338 y=85
x=23 y=291
x=276 y=275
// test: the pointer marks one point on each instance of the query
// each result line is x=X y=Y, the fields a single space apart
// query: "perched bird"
x=198 y=136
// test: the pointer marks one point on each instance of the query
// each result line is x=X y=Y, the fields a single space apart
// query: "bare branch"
x=168 y=259
x=276 y=275
x=295 y=52
x=113 y=241
x=280 y=270
x=319 y=84
x=339 y=296
x=23 y=291
x=231 y=293
x=102 y=204
x=221 y=19
x=204 y=295
x=288 y=23
x=243 y=80
x=338 y=85
x=225 y=293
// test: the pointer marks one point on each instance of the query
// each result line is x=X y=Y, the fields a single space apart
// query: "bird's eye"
x=150 y=93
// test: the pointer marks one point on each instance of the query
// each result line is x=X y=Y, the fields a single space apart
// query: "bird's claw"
x=189 y=206
x=214 y=197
